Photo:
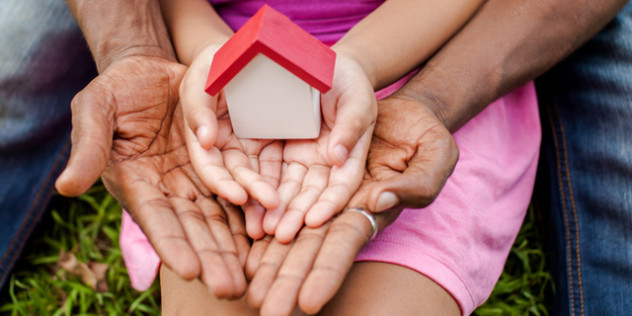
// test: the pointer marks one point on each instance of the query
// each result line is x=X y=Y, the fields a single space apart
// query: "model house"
x=272 y=73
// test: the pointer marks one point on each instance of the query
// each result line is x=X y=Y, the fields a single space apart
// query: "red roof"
x=274 y=35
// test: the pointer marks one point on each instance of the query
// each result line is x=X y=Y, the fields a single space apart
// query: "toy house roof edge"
x=272 y=34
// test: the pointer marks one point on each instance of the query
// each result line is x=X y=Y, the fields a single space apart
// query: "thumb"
x=198 y=107
x=92 y=130
x=419 y=185
x=351 y=106
x=353 y=120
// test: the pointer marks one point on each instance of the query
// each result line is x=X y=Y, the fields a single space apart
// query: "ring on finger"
x=368 y=216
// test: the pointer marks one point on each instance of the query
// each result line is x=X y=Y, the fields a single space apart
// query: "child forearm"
x=193 y=25
x=401 y=34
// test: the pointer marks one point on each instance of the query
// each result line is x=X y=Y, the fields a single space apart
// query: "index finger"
x=151 y=209
x=346 y=236
x=282 y=291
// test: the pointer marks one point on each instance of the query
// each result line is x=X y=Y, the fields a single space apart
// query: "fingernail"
x=341 y=152
x=385 y=201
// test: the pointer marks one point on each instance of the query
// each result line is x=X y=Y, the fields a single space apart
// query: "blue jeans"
x=587 y=166
x=44 y=62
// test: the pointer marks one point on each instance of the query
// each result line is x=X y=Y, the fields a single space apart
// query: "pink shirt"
x=327 y=20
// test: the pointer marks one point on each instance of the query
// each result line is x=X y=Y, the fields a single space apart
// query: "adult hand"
x=126 y=126
x=309 y=270
x=409 y=145
x=412 y=155
x=320 y=174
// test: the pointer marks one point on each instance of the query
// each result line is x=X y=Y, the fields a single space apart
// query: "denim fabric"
x=587 y=153
x=44 y=62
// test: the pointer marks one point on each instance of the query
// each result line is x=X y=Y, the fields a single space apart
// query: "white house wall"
x=267 y=101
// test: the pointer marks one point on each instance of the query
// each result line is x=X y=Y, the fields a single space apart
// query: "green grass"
x=88 y=226
x=525 y=286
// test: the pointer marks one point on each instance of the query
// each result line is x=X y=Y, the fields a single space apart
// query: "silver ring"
x=368 y=216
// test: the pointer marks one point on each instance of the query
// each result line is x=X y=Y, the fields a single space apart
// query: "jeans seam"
x=564 y=210
x=27 y=223
x=561 y=149
x=574 y=209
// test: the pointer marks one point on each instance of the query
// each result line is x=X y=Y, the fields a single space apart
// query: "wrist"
x=444 y=96
x=421 y=102
x=209 y=48
x=343 y=51
x=117 y=29
x=110 y=54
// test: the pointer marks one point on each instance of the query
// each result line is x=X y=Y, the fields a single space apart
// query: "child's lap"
x=371 y=288
x=462 y=240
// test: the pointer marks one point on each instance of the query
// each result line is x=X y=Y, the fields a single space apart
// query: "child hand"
x=320 y=178
x=349 y=109
x=230 y=167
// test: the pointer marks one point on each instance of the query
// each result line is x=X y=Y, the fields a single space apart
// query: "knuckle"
x=218 y=217
x=455 y=153
x=190 y=215
x=352 y=230
x=149 y=208
x=291 y=276
x=426 y=193
x=308 y=235
x=357 y=125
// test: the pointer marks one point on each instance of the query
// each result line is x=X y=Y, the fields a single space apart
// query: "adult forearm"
x=506 y=44
x=401 y=34
x=118 y=28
